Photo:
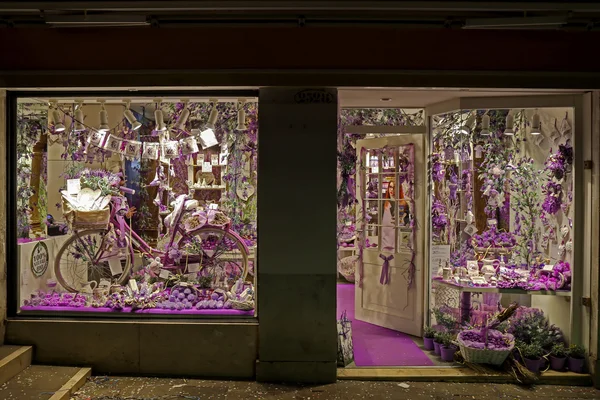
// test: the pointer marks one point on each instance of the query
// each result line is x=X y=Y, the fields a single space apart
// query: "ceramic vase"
x=576 y=364
x=447 y=353
x=557 y=363
x=533 y=365
x=428 y=343
x=436 y=348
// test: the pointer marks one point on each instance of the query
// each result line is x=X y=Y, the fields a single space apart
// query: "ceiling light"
x=183 y=117
x=510 y=122
x=103 y=118
x=536 y=127
x=214 y=115
x=79 y=116
x=159 y=117
x=135 y=124
x=241 y=126
x=466 y=128
x=58 y=125
x=485 y=125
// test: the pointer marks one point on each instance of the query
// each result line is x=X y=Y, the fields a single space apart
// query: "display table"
x=228 y=312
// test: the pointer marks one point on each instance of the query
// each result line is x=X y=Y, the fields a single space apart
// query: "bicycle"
x=104 y=255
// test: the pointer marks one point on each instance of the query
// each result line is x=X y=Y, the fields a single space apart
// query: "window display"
x=137 y=205
x=502 y=231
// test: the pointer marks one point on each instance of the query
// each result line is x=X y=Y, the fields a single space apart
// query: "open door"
x=391 y=194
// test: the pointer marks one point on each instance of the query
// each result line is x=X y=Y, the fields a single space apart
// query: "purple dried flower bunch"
x=459 y=257
x=56 y=299
x=494 y=238
x=560 y=163
x=554 y=197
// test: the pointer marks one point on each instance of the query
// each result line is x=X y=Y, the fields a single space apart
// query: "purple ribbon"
x=385 y=269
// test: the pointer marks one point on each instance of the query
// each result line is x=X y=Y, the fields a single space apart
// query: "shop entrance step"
x=13 y=359
x=41 y=382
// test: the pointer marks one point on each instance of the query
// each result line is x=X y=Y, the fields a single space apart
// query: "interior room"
x=457 y=208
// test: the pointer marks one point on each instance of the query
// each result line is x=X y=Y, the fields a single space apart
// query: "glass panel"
x=142 y=210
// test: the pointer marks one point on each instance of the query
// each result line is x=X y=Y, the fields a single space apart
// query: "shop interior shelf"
x=489 y=289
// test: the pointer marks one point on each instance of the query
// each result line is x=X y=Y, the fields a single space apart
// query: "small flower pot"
x=576 y=364
x=436 y=347
x=533 y=365
x=428 y=343
x=557 y=363
x=447 y=353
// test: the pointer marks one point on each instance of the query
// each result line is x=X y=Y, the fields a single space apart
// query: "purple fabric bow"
x=385 y=269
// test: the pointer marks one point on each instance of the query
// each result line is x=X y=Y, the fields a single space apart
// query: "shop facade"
x=293 y=335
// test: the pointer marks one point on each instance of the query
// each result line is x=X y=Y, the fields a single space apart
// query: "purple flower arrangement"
x=480 y=339
x=494 y=238
x=553 y=200
x=559 y=163
x=437 y=168
x=529 y=325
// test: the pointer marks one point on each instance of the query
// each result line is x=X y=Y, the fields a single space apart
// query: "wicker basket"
x=347 y=267
x=485 y=356
x=79 y=220
x=242 y=305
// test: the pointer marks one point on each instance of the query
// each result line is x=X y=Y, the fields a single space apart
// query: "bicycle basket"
x=79 y=219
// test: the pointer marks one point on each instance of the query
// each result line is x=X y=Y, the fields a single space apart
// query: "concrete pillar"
x=297 y=235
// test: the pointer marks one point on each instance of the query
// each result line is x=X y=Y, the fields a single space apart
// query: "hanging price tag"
x=115 y=266
x=133 y=285
x=73 y=186
x=164 y=274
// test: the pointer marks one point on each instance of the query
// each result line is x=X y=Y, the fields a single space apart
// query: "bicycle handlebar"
x=127 y=190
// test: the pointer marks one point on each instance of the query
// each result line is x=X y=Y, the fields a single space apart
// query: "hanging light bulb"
x=79 y=116
x=510 y=122
x=212 y=118
x=158 y=117
x=535 y=124
x=58 y=125
x=241 y=126
x=103 y=118
x=183 y=117
x=135 y=124
x=485 y=125
x=466 y=128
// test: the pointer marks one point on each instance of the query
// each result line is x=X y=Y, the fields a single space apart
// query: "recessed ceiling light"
x=386 y=99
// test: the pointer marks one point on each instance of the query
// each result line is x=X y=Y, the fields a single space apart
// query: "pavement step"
x=13 y=359
x=41 y=382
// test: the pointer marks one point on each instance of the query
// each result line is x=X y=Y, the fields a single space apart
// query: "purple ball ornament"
x=220 y=304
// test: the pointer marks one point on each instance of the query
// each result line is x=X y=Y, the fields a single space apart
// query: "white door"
x=391 y=193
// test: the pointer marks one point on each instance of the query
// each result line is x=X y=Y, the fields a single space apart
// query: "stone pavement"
x=121 y=388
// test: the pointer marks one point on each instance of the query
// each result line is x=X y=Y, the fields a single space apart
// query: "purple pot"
x=557 y=363
x=436 y=347
x=428 y=343
x=533 y=365
x=447 y=353
x=576 y=364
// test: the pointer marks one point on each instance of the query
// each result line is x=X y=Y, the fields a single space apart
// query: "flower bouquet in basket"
x=488 y=345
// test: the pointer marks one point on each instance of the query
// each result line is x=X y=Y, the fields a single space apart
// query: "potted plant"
x=576 y=358
x=437 y=340
x=532 y=356
x=428 y=336
x=558 y=356
x=447 y=347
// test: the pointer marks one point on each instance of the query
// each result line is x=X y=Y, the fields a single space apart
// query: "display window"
x=140 y=205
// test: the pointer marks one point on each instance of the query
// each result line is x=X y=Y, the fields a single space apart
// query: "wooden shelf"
x=492 y=289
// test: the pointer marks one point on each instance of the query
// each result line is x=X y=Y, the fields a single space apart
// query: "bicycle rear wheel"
x=222 y=253
x=87 y=257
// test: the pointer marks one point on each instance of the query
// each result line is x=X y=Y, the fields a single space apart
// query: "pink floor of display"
x=145 y=311
x=377 y=346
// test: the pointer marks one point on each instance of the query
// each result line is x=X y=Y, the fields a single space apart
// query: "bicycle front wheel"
x=88 y=257
x=222 y=253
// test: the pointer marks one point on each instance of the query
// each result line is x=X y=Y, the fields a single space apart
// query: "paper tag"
x=115 y=266
x=164 y=273
x=223 y=158
x=548 y=267
x=192 y=276
x=478 y=280
x=375 y=170
x=492 y=222
x=195 y=267
x=133 y=285
x=206 y=167
x=213 y=206
x=470 y=230
x=73 y=186
x=214 y=159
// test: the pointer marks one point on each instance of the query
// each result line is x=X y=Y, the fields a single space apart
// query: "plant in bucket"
x=447 y=346
x=558 y=357
x=437 y=342
x=576 y=360
x=532 y=356
x=428 y=336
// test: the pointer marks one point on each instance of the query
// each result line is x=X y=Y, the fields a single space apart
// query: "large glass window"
x=141 y=205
